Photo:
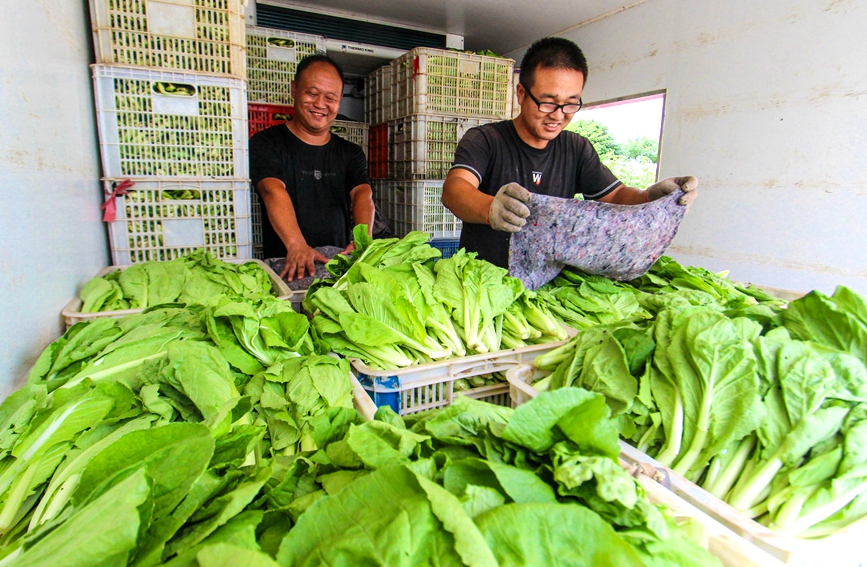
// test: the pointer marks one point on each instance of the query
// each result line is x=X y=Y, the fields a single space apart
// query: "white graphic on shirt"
x=317 y=174
x=537 y=177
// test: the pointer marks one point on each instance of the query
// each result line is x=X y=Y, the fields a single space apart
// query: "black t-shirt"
x=318 y=180
x=495 y=154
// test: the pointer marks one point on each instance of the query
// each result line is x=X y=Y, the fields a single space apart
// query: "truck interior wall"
x=767 y=105
x=51 y=234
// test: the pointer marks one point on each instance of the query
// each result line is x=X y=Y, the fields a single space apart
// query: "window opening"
x=626 y=134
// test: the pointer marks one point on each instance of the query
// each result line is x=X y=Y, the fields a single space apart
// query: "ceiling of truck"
x=503 y=26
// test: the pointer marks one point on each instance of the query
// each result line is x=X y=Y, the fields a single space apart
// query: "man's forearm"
x=625 y=195
x=281 y=212
x=465 y=200
x=363 y=210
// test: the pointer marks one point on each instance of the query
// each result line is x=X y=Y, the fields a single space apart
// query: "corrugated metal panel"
x=345 y=29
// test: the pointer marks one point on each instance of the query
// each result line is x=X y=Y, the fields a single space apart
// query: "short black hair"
x=554 y=53
x=317 y=58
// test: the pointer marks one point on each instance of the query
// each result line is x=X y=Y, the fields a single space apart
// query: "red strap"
x=109 y=208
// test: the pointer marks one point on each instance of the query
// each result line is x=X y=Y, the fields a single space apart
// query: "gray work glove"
x=671 y=184
x=508 y=211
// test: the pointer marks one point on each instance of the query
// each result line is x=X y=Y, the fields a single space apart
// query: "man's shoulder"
x=272 y=134
x=498 y=128
x=493 y=132
x=344 y=147
x=572 y=139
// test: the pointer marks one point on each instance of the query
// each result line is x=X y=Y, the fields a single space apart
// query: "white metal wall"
x=767 y=105
x=51 y=236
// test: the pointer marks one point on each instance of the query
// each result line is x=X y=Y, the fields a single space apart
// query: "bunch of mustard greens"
x=761 y=405
x=392 y=305
x=190 y=279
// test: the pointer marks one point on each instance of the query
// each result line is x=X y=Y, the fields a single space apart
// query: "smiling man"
x=314 y=185
x=497 y=165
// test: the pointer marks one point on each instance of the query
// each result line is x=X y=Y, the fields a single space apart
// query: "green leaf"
x=589 y=426
x=226 y=555
x=384 y=518
x=518 y=485
x=174 y=456
x=134 y=283
x=104 y=532
x=219 y=511
x=553 y=534
x=532 y=424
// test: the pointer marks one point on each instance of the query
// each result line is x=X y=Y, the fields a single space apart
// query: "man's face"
x=317 y=97
x=560 y=86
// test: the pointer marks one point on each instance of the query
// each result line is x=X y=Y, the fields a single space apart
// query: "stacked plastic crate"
x=437 y=95
x=170 y=93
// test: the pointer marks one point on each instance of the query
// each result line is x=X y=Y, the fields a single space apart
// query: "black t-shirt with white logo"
x=495 y=154
x=318 y=180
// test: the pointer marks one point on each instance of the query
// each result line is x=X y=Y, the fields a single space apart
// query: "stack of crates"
x=377 y=113
x=171 y=108
x=436 y=96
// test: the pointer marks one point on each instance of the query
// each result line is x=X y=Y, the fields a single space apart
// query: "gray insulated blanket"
x=617 y=241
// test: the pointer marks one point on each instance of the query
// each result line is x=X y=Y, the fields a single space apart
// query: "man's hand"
x=671 y=184
x=348 y=250
x=299 y=259
x=508 y=211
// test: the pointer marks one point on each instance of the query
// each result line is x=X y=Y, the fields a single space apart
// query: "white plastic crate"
x=422 y=146
x=193 y=36
x=272 y=57
x=72 y=312
x=165 y=219
x=377 y=96
x=355 y=132
x=730 y=548
x=516 y=108
x=842 y=549
x=417 y=205
x=436 y=81
x=256 y=225
x=145 y=130
x=361 y=401
x=428 y=386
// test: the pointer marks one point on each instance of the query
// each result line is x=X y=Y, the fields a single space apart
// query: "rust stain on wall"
x=69 y=34
x=839 y=6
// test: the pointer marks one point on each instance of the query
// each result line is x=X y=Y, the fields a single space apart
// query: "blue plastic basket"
x=447 y=246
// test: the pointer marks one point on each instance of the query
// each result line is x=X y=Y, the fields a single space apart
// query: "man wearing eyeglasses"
x=497 y=165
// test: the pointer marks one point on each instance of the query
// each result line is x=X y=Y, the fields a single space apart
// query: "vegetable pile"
x=761 y=405
x=215 y=435
x=190 y=279
x=481 y=485
x=137 y=439
x=391 y=306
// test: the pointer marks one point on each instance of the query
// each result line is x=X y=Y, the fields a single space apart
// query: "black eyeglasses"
x=550 y=107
